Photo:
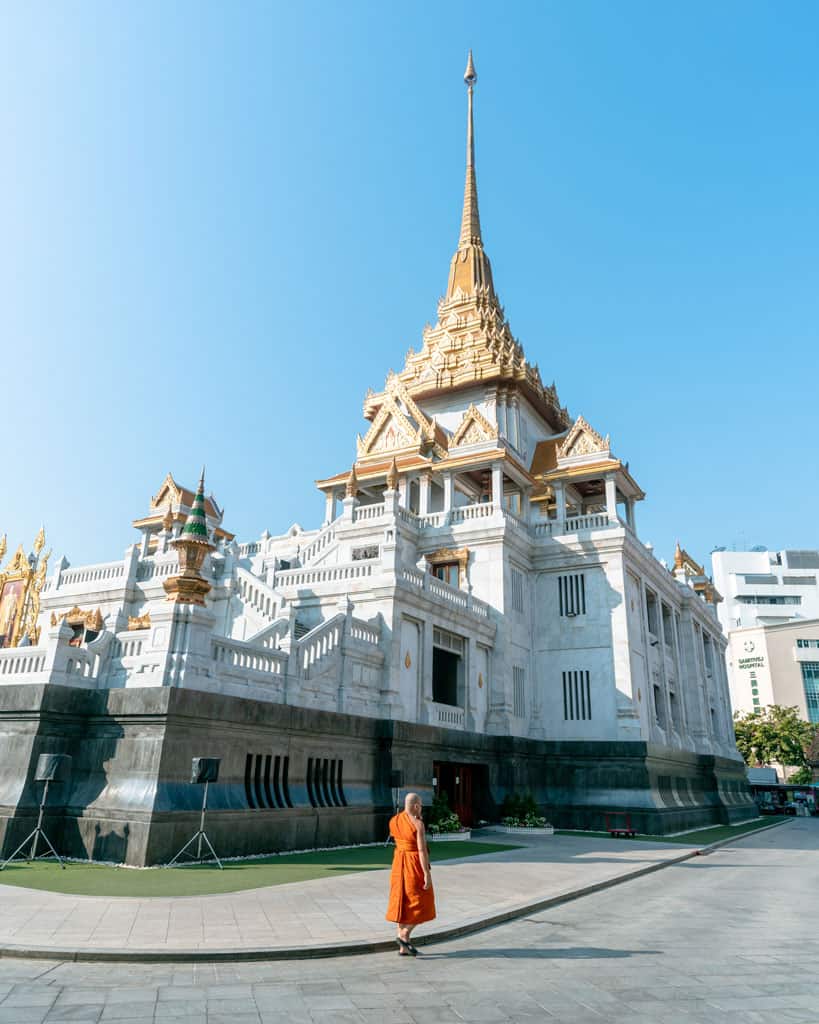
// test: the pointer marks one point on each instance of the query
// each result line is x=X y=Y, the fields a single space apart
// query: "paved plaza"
x=726 y=937
x=346 y=910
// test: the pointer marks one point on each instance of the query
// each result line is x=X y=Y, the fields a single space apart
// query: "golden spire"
x=352 y=484
x=3 y=544
x=392 y=476
x=470 y=268
x=39 y=541
x=470 y=219
x=678 y=557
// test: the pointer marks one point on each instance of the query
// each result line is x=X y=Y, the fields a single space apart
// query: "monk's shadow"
x=535 y=953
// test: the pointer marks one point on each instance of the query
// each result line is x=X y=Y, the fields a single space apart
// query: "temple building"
x=476 y=613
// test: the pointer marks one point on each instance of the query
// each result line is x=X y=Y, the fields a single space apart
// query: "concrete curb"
x=468 y=927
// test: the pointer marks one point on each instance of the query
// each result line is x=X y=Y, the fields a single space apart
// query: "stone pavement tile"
x=434 y=1015
x=78 y=1012
x=176 y=1012
x=124 y=1011
x=89 y=996
x=230 y=1018
x=336 y=1017
x=23 y=1014
x=291 y=1017
x=224 y=991
x=227 y=1006
x=174 y=993
x=21 y=995
x=491 y=1013
x=384 y=1015
x=132 y=995
x=317 y=1004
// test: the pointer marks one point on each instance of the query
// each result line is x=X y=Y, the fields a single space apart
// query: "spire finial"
x=678 y=557
x=470 y=220
x=470 y=270
x=202 y=480
x=470 y=76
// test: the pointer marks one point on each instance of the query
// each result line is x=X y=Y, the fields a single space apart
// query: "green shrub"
x=441 y=817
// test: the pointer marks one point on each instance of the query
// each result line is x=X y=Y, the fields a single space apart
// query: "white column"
x=513 y=420
x=423 y=502
x=630 y=503
x=611 y=497
x=497 y=485
x=525 y=506
x=501 y=413
x=449 y=491
x=403 y=491
x=330 y=507
x=560 y=500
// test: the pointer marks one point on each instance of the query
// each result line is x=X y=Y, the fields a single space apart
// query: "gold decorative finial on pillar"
x=470 y=269
x=192 y=544
x=3 y=545
x=392 y=476
x=678 y=557
x=167 y=520
x=39 y=541
x=351 y=490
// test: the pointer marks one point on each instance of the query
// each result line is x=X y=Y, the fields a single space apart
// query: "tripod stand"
x=199 y=836
x=34 y=836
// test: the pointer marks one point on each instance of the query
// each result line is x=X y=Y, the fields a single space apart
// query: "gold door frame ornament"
x=448 y=555
x=24 y=579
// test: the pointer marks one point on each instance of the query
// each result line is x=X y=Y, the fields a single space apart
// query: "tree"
x=774 y=734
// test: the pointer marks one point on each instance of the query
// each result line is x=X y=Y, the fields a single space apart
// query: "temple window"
x=447 y=667
x=449 y=572
x=652 y=613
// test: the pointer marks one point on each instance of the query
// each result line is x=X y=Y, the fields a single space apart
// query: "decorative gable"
x=474 y=428
x=583 y=440
x=398 y=425
x=169 y=493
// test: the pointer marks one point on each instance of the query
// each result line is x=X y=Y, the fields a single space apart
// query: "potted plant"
x=521 y=815
x=444 y=823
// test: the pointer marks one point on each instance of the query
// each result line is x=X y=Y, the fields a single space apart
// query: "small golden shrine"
x=20 y=584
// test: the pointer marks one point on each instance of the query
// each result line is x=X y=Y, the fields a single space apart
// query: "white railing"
x=368 y=512
x=81 y=663
x=22 y=661
x=596 y=521
x=444 y=591
x=321 y=641
x=364 y=632
x=255 y=593
x=406 y=516
x=149 y=569
x=318 y=544
x=413 y=576
x=105 y=572
x=446 y=715
x=250 y=548
x=331 y=574
x=431 y=520
x=466 y=513
x=235 y=654
x=126 y=645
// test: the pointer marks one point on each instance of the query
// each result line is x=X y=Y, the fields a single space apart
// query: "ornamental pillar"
x=330 y=507
x=611 y=498
x=425 y=481
x=497 y=485
x=449 y=491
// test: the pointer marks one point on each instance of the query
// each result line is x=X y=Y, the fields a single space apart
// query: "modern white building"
x=766 y=588
x=477 y=586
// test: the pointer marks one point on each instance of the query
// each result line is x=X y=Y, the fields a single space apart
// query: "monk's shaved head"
x=410 y=799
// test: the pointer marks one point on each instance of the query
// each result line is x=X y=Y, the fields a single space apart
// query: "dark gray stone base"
x=130 y=799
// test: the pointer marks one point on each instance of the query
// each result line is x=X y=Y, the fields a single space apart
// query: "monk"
x=412 y=900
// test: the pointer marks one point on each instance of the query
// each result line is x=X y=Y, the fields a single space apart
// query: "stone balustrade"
x=329 y=574
x=364 y=512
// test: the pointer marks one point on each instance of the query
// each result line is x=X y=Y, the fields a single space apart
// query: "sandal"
x=406 y=949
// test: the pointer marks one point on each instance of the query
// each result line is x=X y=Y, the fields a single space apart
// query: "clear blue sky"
x=222 y=222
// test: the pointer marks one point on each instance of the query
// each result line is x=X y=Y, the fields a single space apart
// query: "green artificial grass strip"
x=79 y=879
x=702 y=837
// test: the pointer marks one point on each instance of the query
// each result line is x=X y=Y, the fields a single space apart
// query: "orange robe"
x=409 y=902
